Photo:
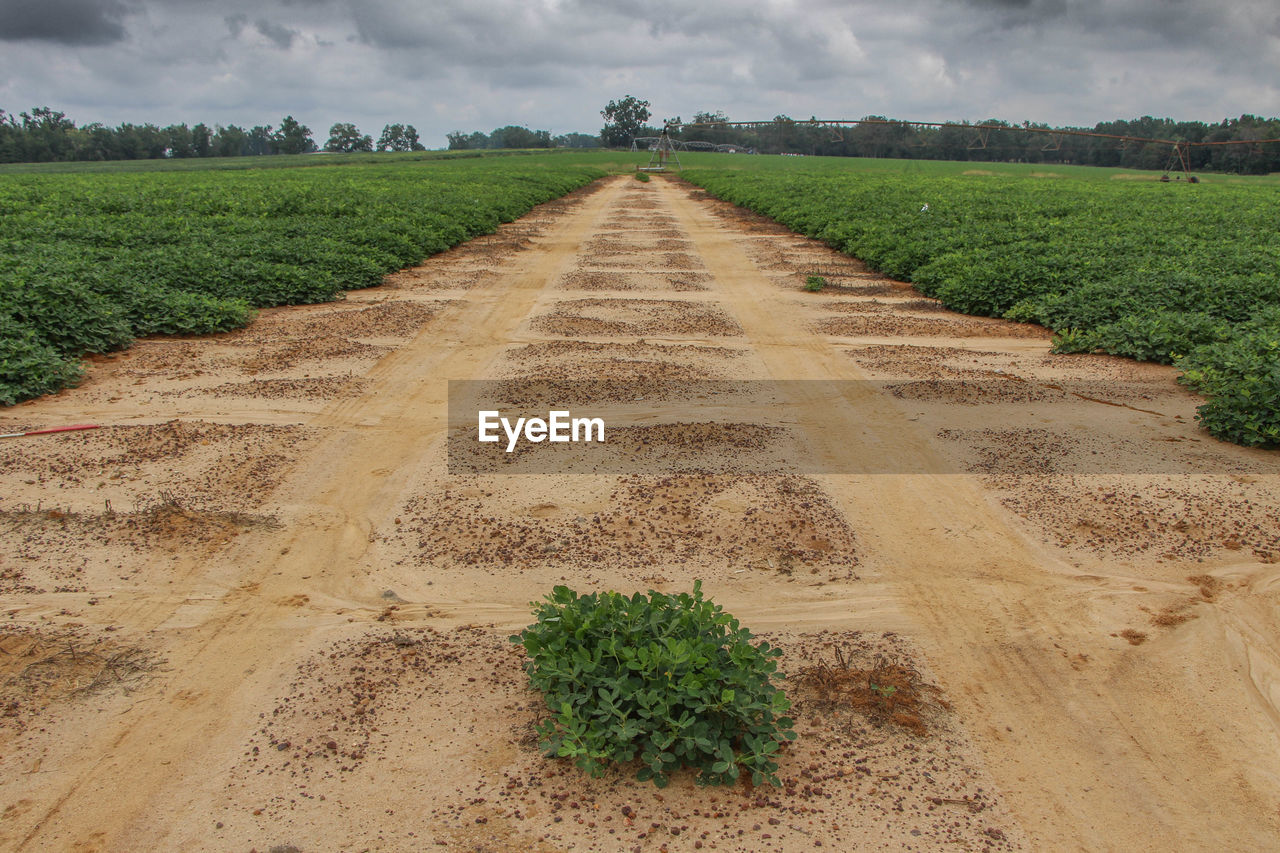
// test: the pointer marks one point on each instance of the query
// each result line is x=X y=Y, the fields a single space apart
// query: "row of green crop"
x=90 y=262
x=1180 y=274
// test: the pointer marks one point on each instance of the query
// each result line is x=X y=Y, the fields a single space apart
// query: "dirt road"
x=263 y=613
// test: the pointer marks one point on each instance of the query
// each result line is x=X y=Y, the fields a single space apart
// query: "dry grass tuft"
x=887 y=691
x=1135 y=638
x=1209 y=585
x=39 y=668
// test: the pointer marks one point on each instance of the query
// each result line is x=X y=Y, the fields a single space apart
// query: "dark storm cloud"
x=1169 y=22
x=69 y=22
x=478 y=64
x=506 y=40
x=282 y=36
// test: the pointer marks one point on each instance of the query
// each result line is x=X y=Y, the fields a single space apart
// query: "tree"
x=47 y=134
x=292 y=138
x=230 y=141
x=260 y=140
x=713 y=127
x=391 y=137
x=458 y=141
x=180 y=142
x=513 y=136
x=576 y=140
x=97 y=142
x=10 y=138
x=345 y=138
x=623 y=121
x=399 y=137
x=202 y=140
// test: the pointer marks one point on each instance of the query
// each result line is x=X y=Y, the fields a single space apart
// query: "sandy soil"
x=256 y=610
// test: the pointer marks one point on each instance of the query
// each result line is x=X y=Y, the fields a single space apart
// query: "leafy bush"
x=1161 y=336
x=671 y=680
x=815 y=283
x=30 y=367
x=165 y=312
x=642 y=177
x=68 y=315
x=1241 y=378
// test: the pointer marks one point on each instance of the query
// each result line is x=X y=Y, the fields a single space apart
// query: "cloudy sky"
x=553 y=64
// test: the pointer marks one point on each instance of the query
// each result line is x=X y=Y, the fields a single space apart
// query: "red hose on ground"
x=50 y=429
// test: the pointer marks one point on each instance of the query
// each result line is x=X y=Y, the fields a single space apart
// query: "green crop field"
x=88 y=262
x=1117 y=262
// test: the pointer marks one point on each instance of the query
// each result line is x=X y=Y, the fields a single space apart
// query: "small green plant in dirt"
x=815 y=283
x=642 y=177
x=672 y=681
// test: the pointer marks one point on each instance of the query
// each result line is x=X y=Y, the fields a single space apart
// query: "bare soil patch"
x=686 y=526
x=354 y=709
x=924 y=361
x=281 y=339
x=657 y=261
x=567 y=360
x=877 y=306
x=1168 y=518
x=988 y=389
x=601 y=280
x=305 y=388
x=167 y=357
x=387 y=319
x=905 y=325
x=915 y=361
x=650 y=223
x=58 y=550
x=635 y=243
x=683 y=448
x=222 y=466
x=632 y=317
x=462 y=274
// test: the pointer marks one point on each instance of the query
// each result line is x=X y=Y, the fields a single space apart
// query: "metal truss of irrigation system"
x=980 y=134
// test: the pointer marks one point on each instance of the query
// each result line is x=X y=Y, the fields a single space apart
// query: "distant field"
x=1111 y=260
x=90 y=261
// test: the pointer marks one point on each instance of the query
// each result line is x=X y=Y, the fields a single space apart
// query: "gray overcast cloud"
x=553 y=64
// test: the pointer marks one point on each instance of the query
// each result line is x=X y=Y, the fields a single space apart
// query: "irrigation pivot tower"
x=661 y=153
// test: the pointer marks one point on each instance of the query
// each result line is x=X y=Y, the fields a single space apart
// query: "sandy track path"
x=1154 y=754
x=235 y=642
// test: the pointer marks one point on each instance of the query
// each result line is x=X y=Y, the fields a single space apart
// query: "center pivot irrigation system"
x=663 y=148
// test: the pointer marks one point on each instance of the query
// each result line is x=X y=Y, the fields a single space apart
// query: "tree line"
x=626 y=119
x=513 y=136
x=45 y=135
x=48 y=135
x=1008 y=142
